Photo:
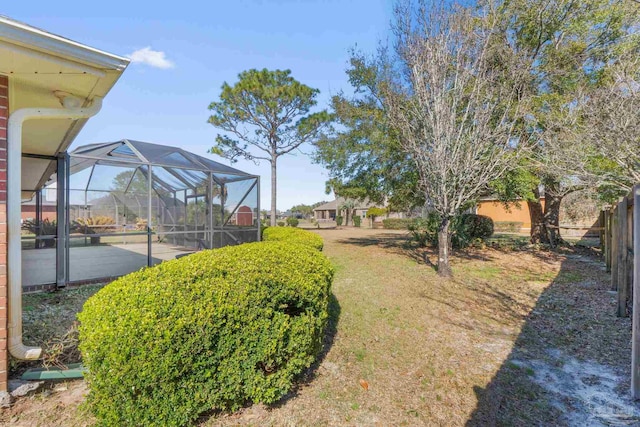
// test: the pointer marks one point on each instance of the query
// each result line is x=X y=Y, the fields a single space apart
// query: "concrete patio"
x=94 y=262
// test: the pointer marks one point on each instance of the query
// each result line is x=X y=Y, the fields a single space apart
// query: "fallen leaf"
x=364 y=384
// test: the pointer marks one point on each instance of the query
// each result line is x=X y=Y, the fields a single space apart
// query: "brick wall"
x=4 y=114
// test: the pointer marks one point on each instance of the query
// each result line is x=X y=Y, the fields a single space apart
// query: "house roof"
x=43 y=67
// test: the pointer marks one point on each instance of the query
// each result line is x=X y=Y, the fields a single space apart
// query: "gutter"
x=14 y=186
x=30 y=37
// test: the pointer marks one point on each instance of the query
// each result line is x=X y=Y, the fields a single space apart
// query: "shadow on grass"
x=570 y=362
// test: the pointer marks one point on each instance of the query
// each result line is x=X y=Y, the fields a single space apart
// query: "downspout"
x=14 y=199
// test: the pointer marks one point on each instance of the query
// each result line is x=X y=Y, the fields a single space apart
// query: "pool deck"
x=93 y=262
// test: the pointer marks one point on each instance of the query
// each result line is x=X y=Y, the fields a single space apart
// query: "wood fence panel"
x=607 y=239
x=635 y=342
x=614 y=249
x=623 y=243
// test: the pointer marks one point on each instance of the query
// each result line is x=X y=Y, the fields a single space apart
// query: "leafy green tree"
x=265 y=115
x=362 y=155
x=570 y=47
x=130 y=182
x=373 y=213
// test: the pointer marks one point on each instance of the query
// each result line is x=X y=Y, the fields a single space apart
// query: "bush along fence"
x=211 y=331
x=622 y=256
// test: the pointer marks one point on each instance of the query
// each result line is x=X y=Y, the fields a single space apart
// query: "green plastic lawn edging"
x=72 y=371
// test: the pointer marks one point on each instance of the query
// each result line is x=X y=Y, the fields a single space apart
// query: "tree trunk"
x=444 y=243
x=536 y=216
x=274 y=181
x=552 y=218
x=538 y=233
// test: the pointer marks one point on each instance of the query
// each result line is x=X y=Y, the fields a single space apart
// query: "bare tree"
x=602 y=128
x=450 y=95
x=611 y=128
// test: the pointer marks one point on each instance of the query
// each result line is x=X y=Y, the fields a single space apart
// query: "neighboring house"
x=573 y=222
x=48 y=210
x=329 y=211
x=496 y=210
x=49 y=87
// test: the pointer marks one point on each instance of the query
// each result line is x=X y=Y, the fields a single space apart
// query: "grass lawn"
x=516 y=338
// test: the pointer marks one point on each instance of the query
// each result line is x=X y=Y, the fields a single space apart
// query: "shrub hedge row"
x=398 y=223
x=465 y=229
x=296 y=235
x=213 y=330
x=510 y=226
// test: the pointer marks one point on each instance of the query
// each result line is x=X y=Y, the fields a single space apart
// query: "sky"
x=182 y=52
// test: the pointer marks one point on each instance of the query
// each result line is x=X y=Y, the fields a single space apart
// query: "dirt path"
x=517 y=338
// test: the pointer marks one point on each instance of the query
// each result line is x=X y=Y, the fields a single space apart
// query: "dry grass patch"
x=407 y=348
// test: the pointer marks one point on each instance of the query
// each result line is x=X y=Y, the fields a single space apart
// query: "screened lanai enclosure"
x=124 y=205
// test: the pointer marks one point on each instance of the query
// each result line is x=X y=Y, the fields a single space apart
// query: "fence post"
x=623 y=265
x=614 y=248
x=607 y=239
x=635 y=342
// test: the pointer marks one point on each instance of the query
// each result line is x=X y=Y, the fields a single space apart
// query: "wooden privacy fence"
x=622 y=256
x=618 y=245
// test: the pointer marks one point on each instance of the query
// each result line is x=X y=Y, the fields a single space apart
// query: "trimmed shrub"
x=357 y=220
x=295 y=235
x=465 y=229
x=398 y=223
x=509 y=226
x=213 y=330
x=280 y=223
x=425 y=230
x=339 y=220
x=292 y=221
x=476 y=226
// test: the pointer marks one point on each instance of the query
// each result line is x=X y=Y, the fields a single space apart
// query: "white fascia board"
x=36 y=39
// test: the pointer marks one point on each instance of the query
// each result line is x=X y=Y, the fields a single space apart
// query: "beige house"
x=330 y=210
x=49 y=87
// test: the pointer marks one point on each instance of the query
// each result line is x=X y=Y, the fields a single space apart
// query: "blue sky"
x=205 y=45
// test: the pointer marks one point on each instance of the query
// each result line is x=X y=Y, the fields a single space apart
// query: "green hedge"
x=465 y=229
x=398 y=223
x=476 y=226
x=213 y=330
x=510 y=226
x=290 y=234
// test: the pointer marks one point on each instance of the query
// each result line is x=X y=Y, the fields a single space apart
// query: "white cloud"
x=153 y=58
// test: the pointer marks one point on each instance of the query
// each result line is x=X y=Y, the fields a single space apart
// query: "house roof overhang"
x=42 y=68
